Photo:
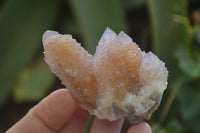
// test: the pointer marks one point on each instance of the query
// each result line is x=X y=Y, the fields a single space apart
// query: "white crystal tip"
x=124 y=38
x=107 y=36
x=48 y=35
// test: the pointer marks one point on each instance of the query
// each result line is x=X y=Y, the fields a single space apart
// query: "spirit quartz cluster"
x=119 y=80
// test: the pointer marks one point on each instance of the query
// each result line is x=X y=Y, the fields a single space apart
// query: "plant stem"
x=87 y=129
x=171 y=98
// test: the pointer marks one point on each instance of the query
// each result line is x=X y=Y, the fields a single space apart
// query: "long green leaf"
x=34 y=82
x=171 y=29
x=22 y=23
x=93 y=16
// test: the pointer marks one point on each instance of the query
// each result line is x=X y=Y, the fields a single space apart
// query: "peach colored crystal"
x=118 y=81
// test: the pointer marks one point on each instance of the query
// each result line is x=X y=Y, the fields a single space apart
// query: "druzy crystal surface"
x=119 y=80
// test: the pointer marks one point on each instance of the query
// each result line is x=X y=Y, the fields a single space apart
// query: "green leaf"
x=34 y=82
x=171 y=29
x=189 y=98
x=174 y=127
x=22 y=23
x=93 y=16
x=134 y=4
x=190 y=65
x=192 y=126
x=196 y=37
x=157 y=128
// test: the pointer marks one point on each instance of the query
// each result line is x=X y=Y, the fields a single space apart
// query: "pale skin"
x=60 y=113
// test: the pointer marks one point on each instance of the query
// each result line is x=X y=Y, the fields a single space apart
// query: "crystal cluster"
x=119 y=80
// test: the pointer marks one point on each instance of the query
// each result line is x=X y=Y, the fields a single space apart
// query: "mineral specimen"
x=119 y=81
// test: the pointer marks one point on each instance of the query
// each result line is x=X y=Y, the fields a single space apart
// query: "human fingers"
x=140 y=128
x=78 y=122
x=49 y=116
x=105 y=126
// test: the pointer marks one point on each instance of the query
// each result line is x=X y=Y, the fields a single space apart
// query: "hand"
x=60 y=113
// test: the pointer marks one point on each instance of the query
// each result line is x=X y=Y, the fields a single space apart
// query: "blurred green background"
x=169 y=28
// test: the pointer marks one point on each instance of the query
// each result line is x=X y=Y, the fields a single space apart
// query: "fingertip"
x=106 y=126
x=140 y=128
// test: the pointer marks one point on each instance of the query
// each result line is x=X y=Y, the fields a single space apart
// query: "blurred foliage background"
x=170 y=28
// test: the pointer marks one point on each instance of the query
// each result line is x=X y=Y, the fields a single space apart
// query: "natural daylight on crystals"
x=119 y=80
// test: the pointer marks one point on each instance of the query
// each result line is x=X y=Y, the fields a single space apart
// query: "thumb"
x=49 y=116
